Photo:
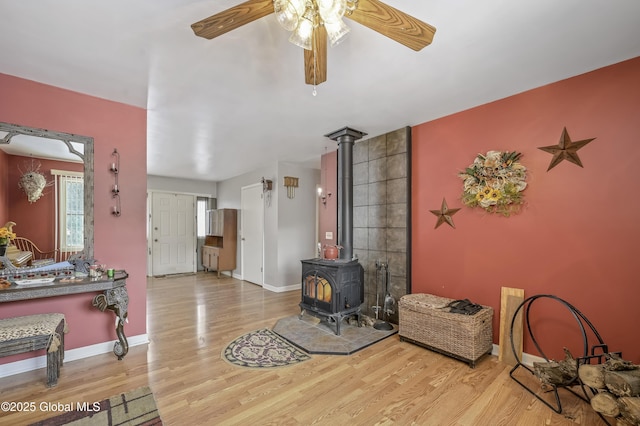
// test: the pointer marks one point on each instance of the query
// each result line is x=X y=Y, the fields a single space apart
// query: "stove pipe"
x=345 y=138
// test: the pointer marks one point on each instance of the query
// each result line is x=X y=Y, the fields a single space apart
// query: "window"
x=70 y=210
x=201 y=217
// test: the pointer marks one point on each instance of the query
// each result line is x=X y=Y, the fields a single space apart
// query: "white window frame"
x=61 y=177
x=201 y=216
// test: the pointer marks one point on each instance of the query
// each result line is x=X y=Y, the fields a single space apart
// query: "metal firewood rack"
x=593 y=351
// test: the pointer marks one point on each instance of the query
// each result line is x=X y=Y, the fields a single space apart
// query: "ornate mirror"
x=23 y=140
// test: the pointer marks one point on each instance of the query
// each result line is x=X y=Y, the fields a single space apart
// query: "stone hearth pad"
x=318 y=336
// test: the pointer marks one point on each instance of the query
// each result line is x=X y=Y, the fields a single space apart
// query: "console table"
x=114 y=298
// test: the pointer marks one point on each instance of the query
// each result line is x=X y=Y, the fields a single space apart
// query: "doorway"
x=252 y=233
x=172 y=233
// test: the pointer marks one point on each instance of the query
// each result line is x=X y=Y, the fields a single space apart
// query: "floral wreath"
x=495 y=182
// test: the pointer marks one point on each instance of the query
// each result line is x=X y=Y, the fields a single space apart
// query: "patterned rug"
x=262 y=349
x=135 y=408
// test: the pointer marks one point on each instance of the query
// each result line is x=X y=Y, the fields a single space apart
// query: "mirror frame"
x=87 y=157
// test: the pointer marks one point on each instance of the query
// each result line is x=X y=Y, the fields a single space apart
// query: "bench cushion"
x=31 y=326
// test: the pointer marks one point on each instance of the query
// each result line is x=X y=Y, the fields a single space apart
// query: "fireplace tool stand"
x=382 y=281
x=596 y=353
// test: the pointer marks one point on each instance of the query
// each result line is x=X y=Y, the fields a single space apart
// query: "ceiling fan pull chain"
x=315 y=64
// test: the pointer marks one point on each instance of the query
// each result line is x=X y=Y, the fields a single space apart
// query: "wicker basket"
x=424 y=319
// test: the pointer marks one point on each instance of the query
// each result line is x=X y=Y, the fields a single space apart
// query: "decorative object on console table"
x=6 y=235
x=219 y=249
x=115 y=169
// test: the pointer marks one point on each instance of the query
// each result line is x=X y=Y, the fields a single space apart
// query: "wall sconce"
x=291 y=183
x=115 y=191
x=323 y=197
x=267 y=186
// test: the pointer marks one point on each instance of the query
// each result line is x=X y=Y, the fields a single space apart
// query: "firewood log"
x=592 y=375
x=615 y=363
x=605 y=403
x=561 y=373
x=630 y=409
x=621 y=421
x=623 y=383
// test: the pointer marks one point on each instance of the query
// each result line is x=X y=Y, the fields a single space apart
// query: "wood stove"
x=335 y=288
x=332 y=289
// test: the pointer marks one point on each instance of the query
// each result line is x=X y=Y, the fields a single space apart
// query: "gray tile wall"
x=381 y=214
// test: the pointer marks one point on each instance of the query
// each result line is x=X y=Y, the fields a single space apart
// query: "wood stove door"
x=318 y=292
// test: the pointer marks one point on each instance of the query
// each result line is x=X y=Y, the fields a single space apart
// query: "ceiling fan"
x=313 y=21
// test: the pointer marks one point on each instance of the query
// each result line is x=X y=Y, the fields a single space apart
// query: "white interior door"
x=252 y=233
x=173 y=233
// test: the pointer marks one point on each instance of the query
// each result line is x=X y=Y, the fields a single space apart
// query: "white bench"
x=32 y=333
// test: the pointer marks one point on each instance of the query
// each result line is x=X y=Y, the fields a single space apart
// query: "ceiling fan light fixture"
x=288 y=12
x=302 y=36
x=336 y=31
x=331 y=10
x=312 y=22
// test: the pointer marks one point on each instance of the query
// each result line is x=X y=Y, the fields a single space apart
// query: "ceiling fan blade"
x=393 y=23
x=315 y=60
x=232 y=18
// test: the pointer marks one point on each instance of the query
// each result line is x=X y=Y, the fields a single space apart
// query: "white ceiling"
x=219 y=108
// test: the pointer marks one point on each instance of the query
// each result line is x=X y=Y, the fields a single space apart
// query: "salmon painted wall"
x=577 y=236
x=35 y=221
x=120 y=242
x=328 y=215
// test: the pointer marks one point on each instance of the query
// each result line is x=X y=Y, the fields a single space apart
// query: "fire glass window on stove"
x=318 y=288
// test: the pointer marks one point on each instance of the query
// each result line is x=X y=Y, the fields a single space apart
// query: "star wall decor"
x=566 y=149
x=444 y=214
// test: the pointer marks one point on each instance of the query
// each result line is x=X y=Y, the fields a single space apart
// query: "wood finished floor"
x=192 y=318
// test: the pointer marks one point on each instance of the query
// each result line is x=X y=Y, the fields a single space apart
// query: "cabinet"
x=215 y=222
x=219 y=250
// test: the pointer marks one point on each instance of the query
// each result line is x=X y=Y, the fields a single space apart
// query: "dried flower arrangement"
x=495 y=182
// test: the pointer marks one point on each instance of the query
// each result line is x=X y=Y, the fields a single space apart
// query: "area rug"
x=135 y=408
x=319 y=337
x=262 y=349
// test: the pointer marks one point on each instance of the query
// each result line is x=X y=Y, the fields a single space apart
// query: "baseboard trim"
x=38 y=362
x=527 y=359
x=276 y=289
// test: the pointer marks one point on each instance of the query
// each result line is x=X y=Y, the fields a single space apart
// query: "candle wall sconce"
x=115 y=191
x=267 y=187
x=291 y=183
x=323 y=196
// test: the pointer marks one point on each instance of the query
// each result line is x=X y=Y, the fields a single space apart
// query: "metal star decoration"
x=565 y=150
x=444 y=214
